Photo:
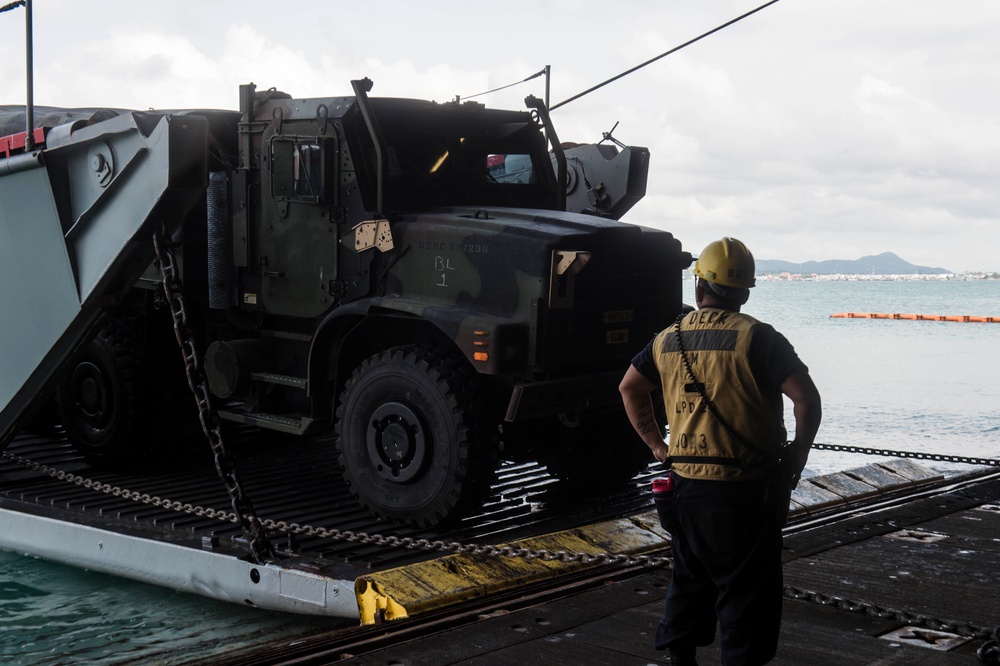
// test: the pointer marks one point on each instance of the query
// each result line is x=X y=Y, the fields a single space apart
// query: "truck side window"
x=296 y=169
x=511 y=168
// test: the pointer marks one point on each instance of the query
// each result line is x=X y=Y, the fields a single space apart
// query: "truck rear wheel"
x=99 y=402
x=126 y=399
x=412 y=440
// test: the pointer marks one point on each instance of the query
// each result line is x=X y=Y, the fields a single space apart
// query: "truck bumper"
x=569 y=395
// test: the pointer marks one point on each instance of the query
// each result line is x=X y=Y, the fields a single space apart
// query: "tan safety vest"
x=717 y=343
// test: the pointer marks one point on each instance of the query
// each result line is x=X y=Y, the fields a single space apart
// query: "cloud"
x=820 y=130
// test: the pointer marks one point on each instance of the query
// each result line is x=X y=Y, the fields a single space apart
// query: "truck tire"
x=412 y=441
x=100 y=406
x=125 y=400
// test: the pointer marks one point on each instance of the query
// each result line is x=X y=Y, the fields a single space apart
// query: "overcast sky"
x=812 y=130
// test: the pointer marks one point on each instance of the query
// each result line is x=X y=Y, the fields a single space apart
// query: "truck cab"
x=436 y=286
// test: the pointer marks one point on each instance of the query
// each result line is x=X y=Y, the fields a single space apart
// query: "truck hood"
x=500 y=260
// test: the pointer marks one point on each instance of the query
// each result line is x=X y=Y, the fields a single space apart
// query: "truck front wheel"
x=412 y=440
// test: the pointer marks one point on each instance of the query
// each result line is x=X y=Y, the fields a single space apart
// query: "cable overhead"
x=509 y=85
x=627 y=72
x=662 y=55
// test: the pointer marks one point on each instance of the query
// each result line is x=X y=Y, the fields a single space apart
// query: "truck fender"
x=492 y=344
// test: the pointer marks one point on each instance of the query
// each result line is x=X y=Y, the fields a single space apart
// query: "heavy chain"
x=940 y=457
x=989 y=652
x=260 y=548
x=390 y=541
x=905 y=617
x=117 y=491
x=364 y=538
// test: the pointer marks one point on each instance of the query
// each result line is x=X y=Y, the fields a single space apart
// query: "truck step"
x=293 y=425
x=283 y=380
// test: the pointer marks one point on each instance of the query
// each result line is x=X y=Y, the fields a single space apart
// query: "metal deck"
x=288 y=479
x=294 y=479
x=933 y=558
x=291 y=479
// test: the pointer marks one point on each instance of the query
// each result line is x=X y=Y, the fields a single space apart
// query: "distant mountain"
x=886 y=263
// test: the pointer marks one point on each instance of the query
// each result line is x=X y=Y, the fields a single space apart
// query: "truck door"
x=298 y=233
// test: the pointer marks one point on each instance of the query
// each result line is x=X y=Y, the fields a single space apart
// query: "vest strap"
x=717 y=460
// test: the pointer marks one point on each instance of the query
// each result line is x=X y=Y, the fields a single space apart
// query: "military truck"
x=440 y=286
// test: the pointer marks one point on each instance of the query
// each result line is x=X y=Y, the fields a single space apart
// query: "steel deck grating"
x=295 y=480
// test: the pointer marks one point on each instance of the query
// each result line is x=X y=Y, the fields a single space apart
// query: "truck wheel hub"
x=89 y=394
x=397 y=442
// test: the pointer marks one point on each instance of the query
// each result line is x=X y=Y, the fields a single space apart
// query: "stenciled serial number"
x=691 y=439
x=467 y=248
x=617 y=337
x=618 y=316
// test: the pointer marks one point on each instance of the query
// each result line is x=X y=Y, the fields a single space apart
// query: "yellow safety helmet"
x=727 y=263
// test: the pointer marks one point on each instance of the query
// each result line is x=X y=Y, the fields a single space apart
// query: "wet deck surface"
x=938 y=557
x=294 y=480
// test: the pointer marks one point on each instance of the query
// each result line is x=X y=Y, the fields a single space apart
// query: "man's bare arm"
x=636 y=394
x=808 y=409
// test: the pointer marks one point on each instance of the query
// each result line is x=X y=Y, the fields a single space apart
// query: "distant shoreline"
x=867 y=277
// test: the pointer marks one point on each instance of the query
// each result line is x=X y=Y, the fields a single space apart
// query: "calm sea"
x=907 y=385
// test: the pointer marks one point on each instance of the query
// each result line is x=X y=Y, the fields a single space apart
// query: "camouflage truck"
x=427 y=281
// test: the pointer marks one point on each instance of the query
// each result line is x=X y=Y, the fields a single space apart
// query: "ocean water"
x=906 y=385
x=53 y=614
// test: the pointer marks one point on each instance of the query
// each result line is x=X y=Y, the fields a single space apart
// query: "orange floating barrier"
x=916 y=317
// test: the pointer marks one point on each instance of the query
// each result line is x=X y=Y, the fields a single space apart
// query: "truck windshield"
x=447 y=155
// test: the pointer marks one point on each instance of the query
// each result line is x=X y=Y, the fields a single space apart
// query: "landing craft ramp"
x=177 y=542
x=76 y=230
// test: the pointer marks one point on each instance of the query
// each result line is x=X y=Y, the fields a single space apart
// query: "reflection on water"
x=51 y=614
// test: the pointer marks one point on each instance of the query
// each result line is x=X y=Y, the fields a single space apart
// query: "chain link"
x=990 y=650
x=939 y=457
x=125 y=493
x=390 y=541
x=260 y=548
x=363 y=538
x=988 y=653
x=907 y=618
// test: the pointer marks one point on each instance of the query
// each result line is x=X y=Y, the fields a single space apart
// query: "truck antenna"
x=546 y=72
x=662 y=55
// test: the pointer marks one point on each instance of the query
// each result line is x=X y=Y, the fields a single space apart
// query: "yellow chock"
x=375 y=607
x=452 y=579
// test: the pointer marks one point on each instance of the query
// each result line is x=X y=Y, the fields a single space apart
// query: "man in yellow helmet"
x=723 y=374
